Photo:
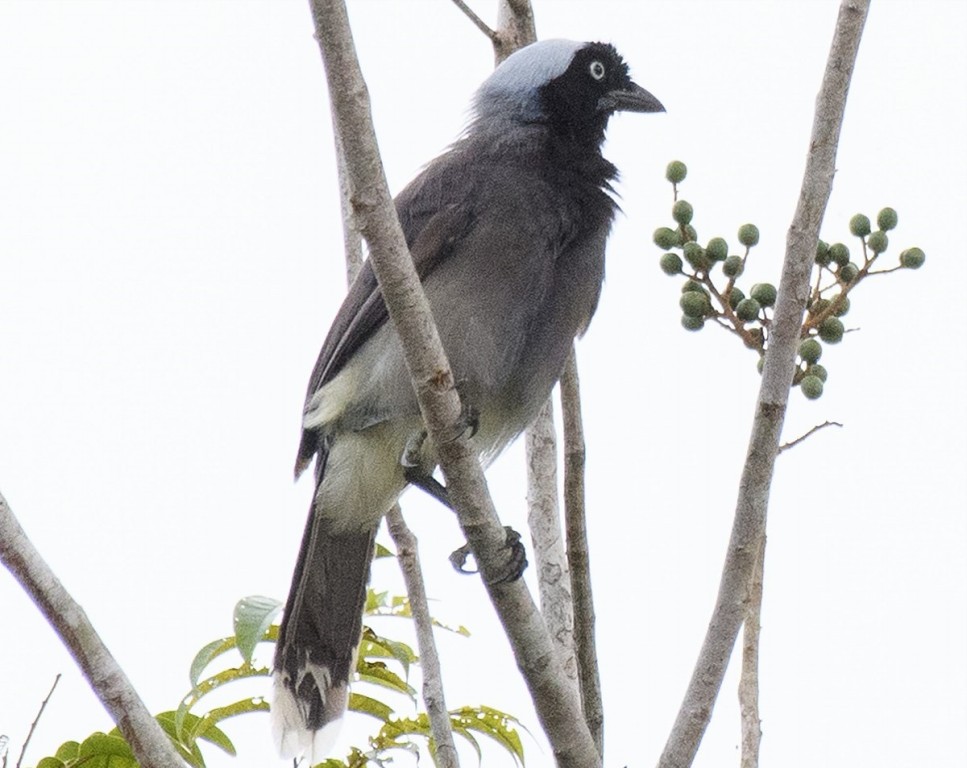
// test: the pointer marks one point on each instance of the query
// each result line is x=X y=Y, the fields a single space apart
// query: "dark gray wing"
x=430 y=224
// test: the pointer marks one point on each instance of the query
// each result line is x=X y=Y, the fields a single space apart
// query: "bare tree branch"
x=477 y=21
x=578 y=552
x=407 y=551
x=515 y=27
x=749 y=679
x=558 y=708
x=544 y=521
x=148 y=742
x=408 y=556
x=750 y=517
x=792 y=443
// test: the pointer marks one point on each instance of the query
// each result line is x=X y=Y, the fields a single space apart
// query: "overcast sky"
x=170 y=260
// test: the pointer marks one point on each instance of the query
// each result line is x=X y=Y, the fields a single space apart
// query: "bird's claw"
x=468 y=421
x=512 y=569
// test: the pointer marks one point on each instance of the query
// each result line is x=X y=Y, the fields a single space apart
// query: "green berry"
x=912 y=258
x=810 y=350
x=878 y=241
x=671 y=264
x=676 y=172
x=859 y=225
x=818 y=306
x=839 y=253
x=831 y=330
x=691 y=236
x=886 y=219
x=693 y=285
x=694 y=304
x=697 y=257
x=848 y=272
x=748 y=235
x=840 y=305
x=747 y=310
x=822 y=253
x=811 y=386
x=764 y=293
x=666 y=238
x=692 y=323
x=717 y=249
x=682 y=212
x=818 y=371
x=733 y=266
x=735 y=296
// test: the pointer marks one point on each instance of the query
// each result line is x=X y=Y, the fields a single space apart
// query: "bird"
x=507 y=231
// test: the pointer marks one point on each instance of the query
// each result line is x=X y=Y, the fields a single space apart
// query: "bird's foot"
x=415 y=471
x=512 y=569
x=468 y=421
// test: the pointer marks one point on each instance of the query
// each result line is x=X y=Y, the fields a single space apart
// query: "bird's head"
x=569 y=85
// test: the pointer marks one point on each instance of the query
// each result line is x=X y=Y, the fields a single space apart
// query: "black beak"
x=632 y=98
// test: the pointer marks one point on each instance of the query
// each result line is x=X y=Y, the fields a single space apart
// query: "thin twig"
x=792 y=443
x=408 y=556
x=578 y=552
x=477 y=21
x=33 y=725
x=750 y=515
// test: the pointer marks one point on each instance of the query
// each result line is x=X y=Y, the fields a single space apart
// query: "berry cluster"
x=712 y=295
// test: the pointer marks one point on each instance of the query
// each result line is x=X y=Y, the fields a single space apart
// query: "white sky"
x=170 y=259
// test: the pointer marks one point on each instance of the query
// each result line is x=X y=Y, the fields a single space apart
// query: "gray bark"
x=149 y=743
x=558 y=707
x=748 y=528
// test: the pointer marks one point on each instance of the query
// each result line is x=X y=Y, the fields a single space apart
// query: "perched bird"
x=507 y=231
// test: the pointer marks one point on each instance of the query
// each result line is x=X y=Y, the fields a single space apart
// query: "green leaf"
x=208 y=731
x=370 y=706
x=186 y=747
x=69 y=750
x=101 y=744
x=207 y=655
x=51 y=762
x=252 y=618
x=383 y=551
x=208 y=685
x=375 y=646
x=378 y=673
x=491 y=722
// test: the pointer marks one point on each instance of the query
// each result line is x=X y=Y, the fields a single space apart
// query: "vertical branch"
x=148 y=742
x=748 y=529
x=557 y=705
x=749 y=680
x=543 y=519
x=578 y=552
x=515 y=27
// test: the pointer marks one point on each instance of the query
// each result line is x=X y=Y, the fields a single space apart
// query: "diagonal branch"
x=477 y=21
x=408 y=556
x=148 y=742
x=557 y=706
x=407 y=551
x=748 y=529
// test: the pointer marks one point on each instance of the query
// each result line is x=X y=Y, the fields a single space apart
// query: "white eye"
x=597 y=70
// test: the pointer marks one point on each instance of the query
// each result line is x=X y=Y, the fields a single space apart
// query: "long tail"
x=315 y=653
